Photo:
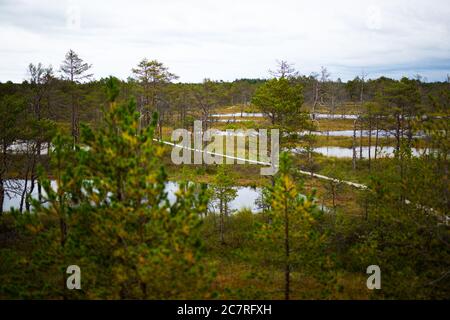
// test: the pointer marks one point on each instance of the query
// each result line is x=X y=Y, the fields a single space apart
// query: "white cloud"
x=229 y=39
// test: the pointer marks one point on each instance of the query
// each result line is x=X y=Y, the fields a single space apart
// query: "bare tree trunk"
x=316 y=99
x=160 y=124
x=2 y=170
x=222 y=227
x=360 y=140
x=354 y=145
x=75 y=119
x=398 y=133
x=32 y=181
x=376 y=138
x=370 y=139
x=142 y=114
x=24 y=192
x=361 y=98
x=409 y=133
x=39 y=187
x=2 y=195
x=72 y=123
x=287 y=270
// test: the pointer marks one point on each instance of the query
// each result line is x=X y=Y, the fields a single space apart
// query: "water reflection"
x=239 y=114
x=260 y=115
x=246 y=196
x=340 y=152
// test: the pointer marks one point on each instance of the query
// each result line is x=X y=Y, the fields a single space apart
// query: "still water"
x=340 y=152
x=260 y=115
x=246 y=196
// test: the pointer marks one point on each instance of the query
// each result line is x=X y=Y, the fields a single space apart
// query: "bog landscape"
x=292 y=185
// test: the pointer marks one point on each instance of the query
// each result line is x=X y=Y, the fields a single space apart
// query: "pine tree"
x=290 y=236
x=223 y=192
x=74 y=70
x=153 y=76
x=116 y=221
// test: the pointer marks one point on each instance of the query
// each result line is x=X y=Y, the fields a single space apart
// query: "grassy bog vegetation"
x=83 y=162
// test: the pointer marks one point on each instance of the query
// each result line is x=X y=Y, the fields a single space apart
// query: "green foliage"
x=280 y=101
x=152 y=71
x=112 y=85
x=291 y=237
x=406 y=233
x=115 y=219
x=223 y=192
x=12 y=112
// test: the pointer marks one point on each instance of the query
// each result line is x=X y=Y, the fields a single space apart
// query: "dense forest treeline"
x=179 y=99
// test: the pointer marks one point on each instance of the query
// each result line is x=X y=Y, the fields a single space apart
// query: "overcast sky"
x=229 y=39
